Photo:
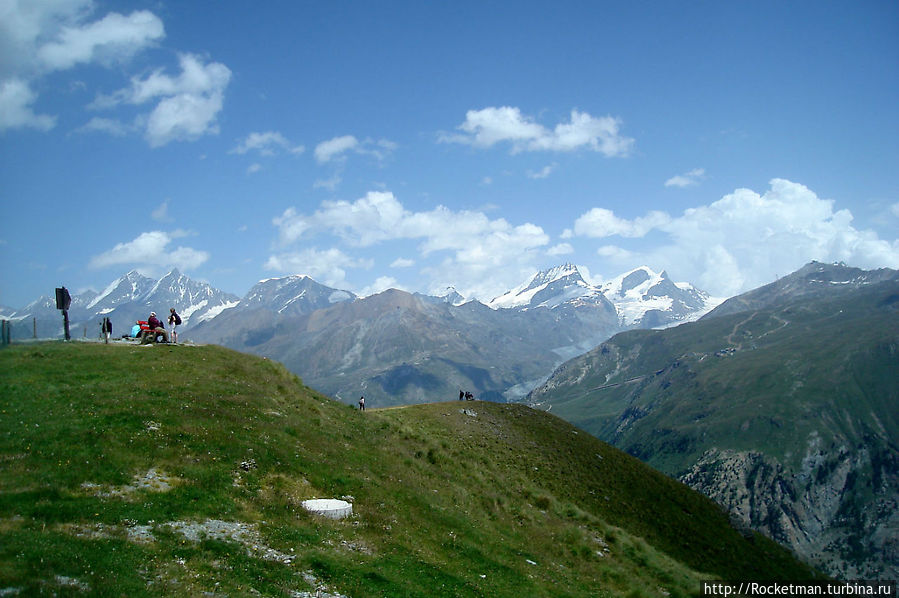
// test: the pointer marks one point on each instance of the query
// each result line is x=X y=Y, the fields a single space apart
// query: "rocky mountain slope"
x=196 y=487
x=780 y=405
x=398 y=348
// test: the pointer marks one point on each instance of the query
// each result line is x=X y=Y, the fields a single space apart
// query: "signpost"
x=63 y=301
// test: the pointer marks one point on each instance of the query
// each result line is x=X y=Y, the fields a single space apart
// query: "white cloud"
x=476 y=244
x=24 y=23
x=161 y=213
x=150 y=251
x=115 y=37
x=109 y=126
x=328 y=266
x=38 y=37
x=745 y=239
x=542 y=174
x=687 y=179
x=600 y=222
x=490 y=126
x=560 y=249
x=266 y=144
x=187 y=105
x=254 y=168
x=895 y=209
x=16 y=98
x=336 y=148
x=291 y=226
x=329 y=184
x=402 y=262
x=381 y=284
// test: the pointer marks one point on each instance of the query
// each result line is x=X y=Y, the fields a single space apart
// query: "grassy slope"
x=510 y=502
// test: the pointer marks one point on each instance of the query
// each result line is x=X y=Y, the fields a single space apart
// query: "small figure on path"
x=361 y=403
x=461 y=395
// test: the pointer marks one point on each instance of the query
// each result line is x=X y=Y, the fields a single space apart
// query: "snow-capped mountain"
x=292 y=295
x=641 y=297
x=550 y=288
x=133 y=296
x=128 y=289
x=125 y=300
x=648 y=299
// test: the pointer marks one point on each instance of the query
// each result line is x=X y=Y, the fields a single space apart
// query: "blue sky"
x=421 y=144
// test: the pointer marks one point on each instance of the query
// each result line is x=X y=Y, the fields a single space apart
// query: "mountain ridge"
x=784 y=412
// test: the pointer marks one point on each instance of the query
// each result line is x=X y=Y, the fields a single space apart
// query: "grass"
x=108 y=453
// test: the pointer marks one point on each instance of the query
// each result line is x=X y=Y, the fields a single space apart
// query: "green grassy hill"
x=180 y=470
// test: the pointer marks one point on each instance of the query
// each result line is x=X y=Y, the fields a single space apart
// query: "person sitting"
x=154 y=329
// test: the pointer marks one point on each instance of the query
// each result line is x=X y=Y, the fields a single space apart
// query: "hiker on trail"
x=155 y=328
x=461 y=395
x=361 y=403
x=174 y=322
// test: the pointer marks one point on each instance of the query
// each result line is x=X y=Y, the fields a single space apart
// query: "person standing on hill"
x=174 y=322
x=361 y=403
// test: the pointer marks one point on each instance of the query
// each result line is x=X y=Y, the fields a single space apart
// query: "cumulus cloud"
x=150 y=251
x=600 y=222
x=187 y=104
x=687 y=179
x=506 y=124
x=743 y=240
x=40 y=37
x=16 y=98
x=475 y=244
x=267 y=144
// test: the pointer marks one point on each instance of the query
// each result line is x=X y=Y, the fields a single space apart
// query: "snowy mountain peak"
x=126 y=289
x=296 y=294
x=641 y=297
x=547 y=288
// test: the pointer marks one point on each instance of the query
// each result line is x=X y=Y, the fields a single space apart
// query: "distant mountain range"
x=780 y=404
x=394 y=347
x=397 y=348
